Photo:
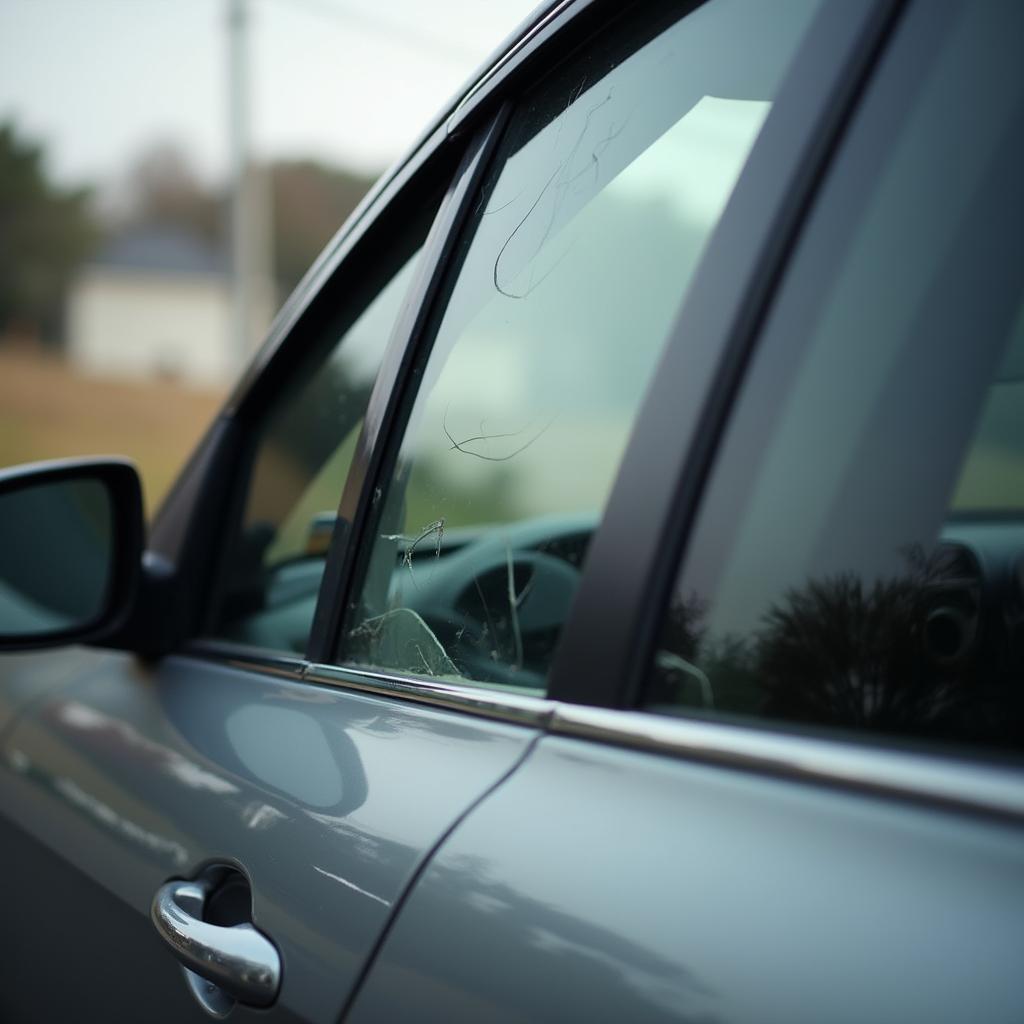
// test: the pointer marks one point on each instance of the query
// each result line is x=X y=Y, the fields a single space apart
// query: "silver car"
x=603 y=597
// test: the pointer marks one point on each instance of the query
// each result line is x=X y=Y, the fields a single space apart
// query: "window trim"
x=872 y=770
x=609 y=639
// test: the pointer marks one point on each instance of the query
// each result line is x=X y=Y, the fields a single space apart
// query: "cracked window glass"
x=612 y=174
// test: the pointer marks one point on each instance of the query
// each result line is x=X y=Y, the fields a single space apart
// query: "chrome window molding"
x=515 y=708
x=940 y=780
x=251 y=659
x=520 y=709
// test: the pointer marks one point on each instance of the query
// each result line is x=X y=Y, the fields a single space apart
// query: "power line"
x=431 y=46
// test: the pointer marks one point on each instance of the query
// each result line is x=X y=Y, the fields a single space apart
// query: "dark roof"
x=161 y=248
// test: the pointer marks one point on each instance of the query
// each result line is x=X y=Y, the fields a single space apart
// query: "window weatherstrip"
x=942 y=781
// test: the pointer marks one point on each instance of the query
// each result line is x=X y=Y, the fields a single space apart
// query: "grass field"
x=47 y=412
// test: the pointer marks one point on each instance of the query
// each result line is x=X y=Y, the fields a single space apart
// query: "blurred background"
x=168 y=171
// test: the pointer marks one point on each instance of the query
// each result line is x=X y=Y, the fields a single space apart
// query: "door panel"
x=327 y=800
x=665 y=890
x=96 y=964
x=30 y=677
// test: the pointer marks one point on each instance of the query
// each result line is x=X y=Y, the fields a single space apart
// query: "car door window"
x=858 y=561
x=611 y=176
x=302 y=449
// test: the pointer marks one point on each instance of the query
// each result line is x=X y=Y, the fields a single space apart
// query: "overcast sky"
x=98 y=81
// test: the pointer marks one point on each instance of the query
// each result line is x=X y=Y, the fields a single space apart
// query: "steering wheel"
x=497 y=605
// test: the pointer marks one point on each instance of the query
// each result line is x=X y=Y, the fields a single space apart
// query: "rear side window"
x=612 y=175
x=858 y=561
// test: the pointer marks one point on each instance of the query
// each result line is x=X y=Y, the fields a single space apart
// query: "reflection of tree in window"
x=914 y=654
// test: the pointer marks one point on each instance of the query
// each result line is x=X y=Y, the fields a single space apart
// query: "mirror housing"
x=71 y=540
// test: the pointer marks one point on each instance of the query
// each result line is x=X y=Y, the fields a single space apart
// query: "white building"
x=154 y=302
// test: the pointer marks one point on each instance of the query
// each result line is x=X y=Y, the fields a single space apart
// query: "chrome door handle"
x=239 y=960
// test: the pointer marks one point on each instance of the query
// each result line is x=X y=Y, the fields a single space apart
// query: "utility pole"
x=238 y=140
x=251 y=243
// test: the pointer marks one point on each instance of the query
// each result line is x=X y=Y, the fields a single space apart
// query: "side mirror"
x=71 y=540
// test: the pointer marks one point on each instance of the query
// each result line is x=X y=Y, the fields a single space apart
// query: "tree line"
x=48 y=231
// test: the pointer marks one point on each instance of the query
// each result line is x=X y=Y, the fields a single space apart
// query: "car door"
x=311 y=753
x=782 y=778
x=204 y=759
